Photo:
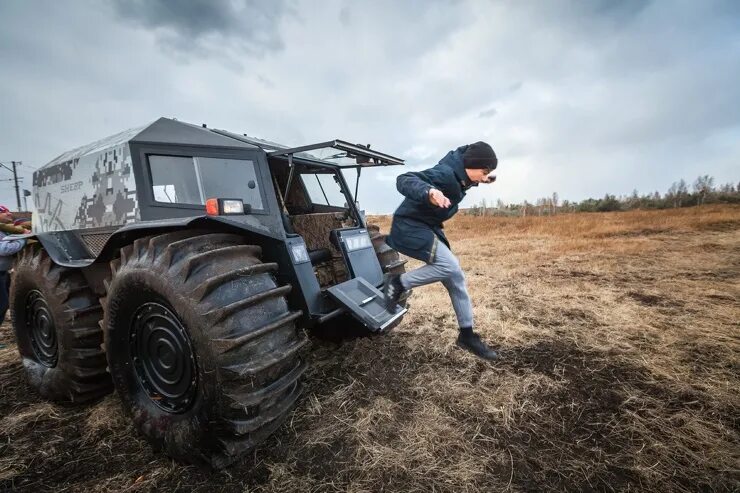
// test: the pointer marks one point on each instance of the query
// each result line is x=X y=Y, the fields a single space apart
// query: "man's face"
x=6 y=217
x=478 y=175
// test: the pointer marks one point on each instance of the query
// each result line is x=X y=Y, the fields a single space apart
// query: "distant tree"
x=588 y=205
x=608 y=203
x=677 y=195
x=651 y=200
x=727 y=194
x=703 y=186
x=682 y=192
x=672 y=195
x=541 y=205
x=633 y=202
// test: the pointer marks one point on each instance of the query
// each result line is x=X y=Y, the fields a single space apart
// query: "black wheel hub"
x=163 y=357
x=41 y=329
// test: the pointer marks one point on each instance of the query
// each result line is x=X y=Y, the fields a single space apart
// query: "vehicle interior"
x=315 y=200
x=313 y=204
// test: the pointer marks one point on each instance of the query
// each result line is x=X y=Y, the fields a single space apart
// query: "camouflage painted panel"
x=90 y=191
x=94 y=148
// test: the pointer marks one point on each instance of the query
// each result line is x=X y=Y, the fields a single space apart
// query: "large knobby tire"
x=202 y=347
x=55 y=319
x=390 y=260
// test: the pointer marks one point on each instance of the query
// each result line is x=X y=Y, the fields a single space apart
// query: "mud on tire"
x=390 y=260
x=202 y=347
x=55 y=319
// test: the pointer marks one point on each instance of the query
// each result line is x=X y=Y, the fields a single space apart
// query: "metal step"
x=366 y=303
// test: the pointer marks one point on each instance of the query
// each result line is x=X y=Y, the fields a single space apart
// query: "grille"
x=95 y=241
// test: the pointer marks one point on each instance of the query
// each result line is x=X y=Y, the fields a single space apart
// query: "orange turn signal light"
x=212 y=207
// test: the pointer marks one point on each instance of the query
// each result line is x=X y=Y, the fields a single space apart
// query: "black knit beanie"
x=480 y=155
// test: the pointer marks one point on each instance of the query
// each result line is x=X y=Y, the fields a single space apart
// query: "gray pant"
x=445 y=268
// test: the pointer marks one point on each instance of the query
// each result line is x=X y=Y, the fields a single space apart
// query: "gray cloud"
x=487 y=113
x=195 y=24
x=345 y=17
x=515 y=86
x=589 y=98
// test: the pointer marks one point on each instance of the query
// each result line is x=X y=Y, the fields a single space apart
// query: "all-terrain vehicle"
x=180 y=265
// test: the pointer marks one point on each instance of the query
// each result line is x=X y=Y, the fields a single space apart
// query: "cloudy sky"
x=580 y=98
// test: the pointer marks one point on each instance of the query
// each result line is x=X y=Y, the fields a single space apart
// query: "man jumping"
x=432 y=197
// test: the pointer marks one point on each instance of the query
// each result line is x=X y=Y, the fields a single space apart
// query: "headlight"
x=299 y=252
x=230 y=206
x=357 y=242
x=217 y=207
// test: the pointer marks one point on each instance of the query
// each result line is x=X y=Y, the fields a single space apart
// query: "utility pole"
x=17 y=190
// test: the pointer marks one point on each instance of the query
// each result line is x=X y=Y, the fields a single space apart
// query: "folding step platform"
x=366 y=303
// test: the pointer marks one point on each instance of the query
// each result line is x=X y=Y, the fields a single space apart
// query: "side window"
x=192 y=180
x=174 y=180
x=324 y=189
x=230 y=178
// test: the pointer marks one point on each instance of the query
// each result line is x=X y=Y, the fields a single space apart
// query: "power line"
x=17 y=187
x=14 y=170
x=19 y=163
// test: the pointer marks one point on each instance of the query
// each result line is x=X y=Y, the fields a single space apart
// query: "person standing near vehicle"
x=8 y=248
x=432 y=197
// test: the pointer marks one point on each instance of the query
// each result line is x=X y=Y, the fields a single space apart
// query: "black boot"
x=392 y=290
x=474 y=344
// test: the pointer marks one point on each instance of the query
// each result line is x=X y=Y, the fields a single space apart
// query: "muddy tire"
x=55 y=319
x=390 y=260
x=202 y=347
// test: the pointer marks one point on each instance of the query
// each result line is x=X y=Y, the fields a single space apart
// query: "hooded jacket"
x=8 y=248
x=417 y=223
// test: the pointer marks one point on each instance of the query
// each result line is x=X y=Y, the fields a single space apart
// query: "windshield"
x=324 y=189
x=332 y=155
x=192 y=180
x=340 y=153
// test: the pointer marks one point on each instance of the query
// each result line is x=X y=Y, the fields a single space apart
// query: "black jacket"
x=417 y=224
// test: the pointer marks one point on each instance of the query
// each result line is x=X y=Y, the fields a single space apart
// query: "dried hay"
x=621 y=366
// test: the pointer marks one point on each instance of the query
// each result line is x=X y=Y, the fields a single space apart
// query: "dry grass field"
x=620 y=338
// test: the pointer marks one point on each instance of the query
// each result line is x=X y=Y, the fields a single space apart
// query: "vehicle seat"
x=315 y=229
x=320 y=255
x=316 y=255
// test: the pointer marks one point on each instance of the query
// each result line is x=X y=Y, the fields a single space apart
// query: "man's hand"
x=438 y=198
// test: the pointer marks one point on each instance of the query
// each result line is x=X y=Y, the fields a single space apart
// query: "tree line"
x=702 y=191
